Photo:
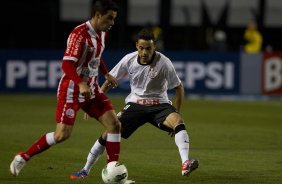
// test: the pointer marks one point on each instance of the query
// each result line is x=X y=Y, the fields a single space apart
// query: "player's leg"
x=109 y=141
x=45 y=142
x=175 y=122
x=113 y=127
x=94 y=154
x=62 y=132
x=96 y=151
x=101 y=109
x=131 y=117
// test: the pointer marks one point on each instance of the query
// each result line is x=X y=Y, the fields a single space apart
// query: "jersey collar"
x=92 y=31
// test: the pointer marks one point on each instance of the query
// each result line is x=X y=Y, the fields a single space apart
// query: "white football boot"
x=16 y=165
x=129 y=182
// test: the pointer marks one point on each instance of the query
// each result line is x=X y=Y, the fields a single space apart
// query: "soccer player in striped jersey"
x=151 y=75
x=78 y=87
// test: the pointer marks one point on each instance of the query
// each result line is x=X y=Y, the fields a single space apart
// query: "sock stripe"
x=50 y=138
x=113 y=137
x=179 y=127
x=102 y=141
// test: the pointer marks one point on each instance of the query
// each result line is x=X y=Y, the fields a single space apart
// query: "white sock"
x=182 y=142
x=113 y=137
x=50 y=139
x=94 y=154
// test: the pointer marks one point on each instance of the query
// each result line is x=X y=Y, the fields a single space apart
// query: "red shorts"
x=96 y=107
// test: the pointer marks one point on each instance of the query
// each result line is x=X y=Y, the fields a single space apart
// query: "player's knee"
x=115 y=126
x=174 y=117
x=173 y=120
x=178 y=119
x=60 y=137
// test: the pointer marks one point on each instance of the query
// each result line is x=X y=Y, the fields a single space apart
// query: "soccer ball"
x=114 y=173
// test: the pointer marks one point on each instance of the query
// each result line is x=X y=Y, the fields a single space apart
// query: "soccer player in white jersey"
x=79 y=88
x=151 y=74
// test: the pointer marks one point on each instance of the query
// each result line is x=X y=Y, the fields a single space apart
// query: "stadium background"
x=36 y=32
x=237 y=140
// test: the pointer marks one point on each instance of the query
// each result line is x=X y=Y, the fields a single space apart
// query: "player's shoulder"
x=163 y=58
x=81 y=29
x=131 y=56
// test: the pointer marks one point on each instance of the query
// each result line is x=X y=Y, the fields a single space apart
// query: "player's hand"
x=85 y=116
x=112 y=80
x=171 y=134
x=84 y=89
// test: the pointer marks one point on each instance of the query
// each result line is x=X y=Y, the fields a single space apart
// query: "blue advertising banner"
x=40 y=71
x=208 y=72
x=29 y=70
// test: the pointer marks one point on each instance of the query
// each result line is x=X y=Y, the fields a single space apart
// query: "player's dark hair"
x=103 y=6
x=146 y=34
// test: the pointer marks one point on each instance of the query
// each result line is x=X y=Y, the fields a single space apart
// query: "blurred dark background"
x=183 y=24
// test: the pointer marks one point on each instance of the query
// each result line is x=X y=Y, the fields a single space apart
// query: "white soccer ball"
x=114 y=173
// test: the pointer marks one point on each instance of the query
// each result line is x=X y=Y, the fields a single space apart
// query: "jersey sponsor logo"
x=148 y=101
x=92 y=69
x=74 y=41
x=69 y=45
x=153 y=73
x=93 y=66
x=70 y=113
x=76 y=46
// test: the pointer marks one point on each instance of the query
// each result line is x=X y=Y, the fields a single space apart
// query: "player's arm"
x=70 y=70
x=111 y=80
x=106 y=86
x=103 y=68
x=75 y=45
x=173 y=82
x=179 y=96
x=117 y=73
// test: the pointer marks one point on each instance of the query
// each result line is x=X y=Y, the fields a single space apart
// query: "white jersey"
x=149 y=82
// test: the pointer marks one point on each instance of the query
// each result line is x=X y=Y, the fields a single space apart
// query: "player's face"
x=106 y=21
x=146 y=49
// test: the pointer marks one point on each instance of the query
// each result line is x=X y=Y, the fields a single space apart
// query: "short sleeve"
x=120 y=70
x=75 y=45
x=171 y=76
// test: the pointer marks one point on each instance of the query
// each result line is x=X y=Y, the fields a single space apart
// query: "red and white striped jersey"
x=84 y=50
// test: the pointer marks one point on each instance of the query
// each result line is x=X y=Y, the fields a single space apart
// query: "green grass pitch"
x=235 y=141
